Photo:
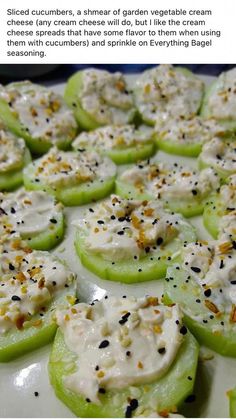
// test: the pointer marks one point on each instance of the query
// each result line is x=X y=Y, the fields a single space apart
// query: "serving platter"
x=25 y=390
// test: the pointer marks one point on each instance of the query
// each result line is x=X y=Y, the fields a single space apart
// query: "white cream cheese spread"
x=106 y=97
x=165 y=92
x=12 y=150
x=30 y=280
x=112 y=137
x=195 y=130
x=119 y=229
x=213 y=266
x=41 y=111
x=220 y=154
x=120 y=342
x=221 y=102
x=60 y=168
x=171 y=181
x=28 y=212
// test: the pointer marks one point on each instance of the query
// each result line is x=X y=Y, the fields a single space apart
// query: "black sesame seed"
x=53 y=221
x=15 y=298
x=128 y=353
x=11 y=267
x=100 y=221
x=221 y=264
x=207 y=292
x=159 y=241
x=104 y=344
x=102 y=390
x=121 y=232
x=88 y=400
x=162 y=350
x=195 y=269
x=183 y=330
x=36 y=393
x=194 y=192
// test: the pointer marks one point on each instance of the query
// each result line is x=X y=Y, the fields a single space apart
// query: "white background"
x=222 y=51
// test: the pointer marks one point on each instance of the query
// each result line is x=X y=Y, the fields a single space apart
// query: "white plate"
x=21 y=378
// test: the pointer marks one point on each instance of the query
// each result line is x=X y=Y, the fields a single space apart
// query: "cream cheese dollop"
x=213 y=266
x=30 y=280
x=119 y=229
x=29 y=212
x=43 y=112
x=119 y=342
x=221 y=102
x=12 y=150
x=171 y=181
x=112 y=137
x=60 y=168
x=164 y=92
x=220 y=154
x=106 y=97
x=195 y=130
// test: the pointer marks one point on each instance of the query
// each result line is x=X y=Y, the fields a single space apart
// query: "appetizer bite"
x=220 y=211
x=203 y=284
x=14 y=155
x=38 y=115
x=122 y=143
x=220 y=100
x=185 y=137
x=35 y=215
x=130 y=241
x=122 y=357
x=33 y=284
x=165 y=92
x=179 y=188
x=74 y=178
x=221 y=155
x=99 y=98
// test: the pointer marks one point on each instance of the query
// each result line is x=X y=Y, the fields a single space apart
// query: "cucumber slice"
x=35 y=216
x=36 y=330
x=210 y=327
x=156 y=180
x=55 y=124
x=220 y=155
x=14 y=178
x=94 y=106
x=232 y=402
x=73 y=194
x=164 y=393
x=219 y=100
x=122 y=143
x=151 y=264
x=167 y=91
x=185 y=137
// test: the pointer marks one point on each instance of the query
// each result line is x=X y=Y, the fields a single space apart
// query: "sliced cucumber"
x=151 y=107
x=181 y=288
x=72 y=195
x=89 y=120
x=14 y=178
x=223 y=90
x=149 y=267
x=122 y=143
x=37 y=144
x=164 y=393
